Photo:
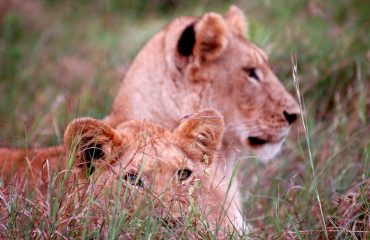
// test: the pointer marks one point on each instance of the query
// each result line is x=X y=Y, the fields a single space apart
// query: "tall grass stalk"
x=304 y=123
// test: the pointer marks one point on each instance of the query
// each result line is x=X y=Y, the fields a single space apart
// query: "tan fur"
x=163 y=85
x=35 y=163
x=156 y=154
x=100 y=157
x=237 y=21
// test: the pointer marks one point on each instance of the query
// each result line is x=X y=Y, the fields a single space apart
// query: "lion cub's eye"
x=251 y=73
x=134 y=180
x=183 y=174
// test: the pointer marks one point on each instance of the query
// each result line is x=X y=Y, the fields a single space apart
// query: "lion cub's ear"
x=211 y=37
x=200 y=135
x=91 y=143
x=236 y=19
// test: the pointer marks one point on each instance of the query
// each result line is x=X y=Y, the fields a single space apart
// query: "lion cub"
x=140 y=164
x=173 y=170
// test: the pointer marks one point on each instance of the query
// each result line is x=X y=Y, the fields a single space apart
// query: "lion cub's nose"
x=290 y=117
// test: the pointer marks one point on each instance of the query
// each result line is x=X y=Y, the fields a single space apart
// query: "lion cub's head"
x=144 y=163
x=213 y=53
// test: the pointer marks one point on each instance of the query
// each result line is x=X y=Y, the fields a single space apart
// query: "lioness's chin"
x=267 y=151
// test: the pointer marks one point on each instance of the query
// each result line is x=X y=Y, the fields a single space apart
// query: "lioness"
x=198 y=62
x=170 y=169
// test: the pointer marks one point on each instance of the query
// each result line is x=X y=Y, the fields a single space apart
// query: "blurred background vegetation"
x=62 y=59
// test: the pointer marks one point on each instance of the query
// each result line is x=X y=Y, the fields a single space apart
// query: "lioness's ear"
x=186 y=42
x=211 y=37
x=236 y=19
x=200 y=135
x=91 y=143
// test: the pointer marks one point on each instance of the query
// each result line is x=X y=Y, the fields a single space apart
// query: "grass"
x=65 y=59
x=304 y=124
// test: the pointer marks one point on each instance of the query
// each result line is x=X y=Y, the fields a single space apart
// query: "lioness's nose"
x=290 y=117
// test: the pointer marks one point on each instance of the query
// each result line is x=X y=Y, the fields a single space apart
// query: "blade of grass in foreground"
x=300 y=237
x=304 y=122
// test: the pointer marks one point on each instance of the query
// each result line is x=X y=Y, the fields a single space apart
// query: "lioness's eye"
x=184 y=174
x=134 y=180
x=251 y=73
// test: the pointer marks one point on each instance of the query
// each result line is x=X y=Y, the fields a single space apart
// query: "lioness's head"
x=236 y=79
x=153 y=164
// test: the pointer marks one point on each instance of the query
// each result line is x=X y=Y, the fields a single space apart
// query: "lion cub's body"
x=33 y=164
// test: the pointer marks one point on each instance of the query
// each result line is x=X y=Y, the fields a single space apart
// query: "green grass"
x=68 y=59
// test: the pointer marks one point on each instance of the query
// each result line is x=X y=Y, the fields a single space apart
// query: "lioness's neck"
x=157 y=87
x=162 y=101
